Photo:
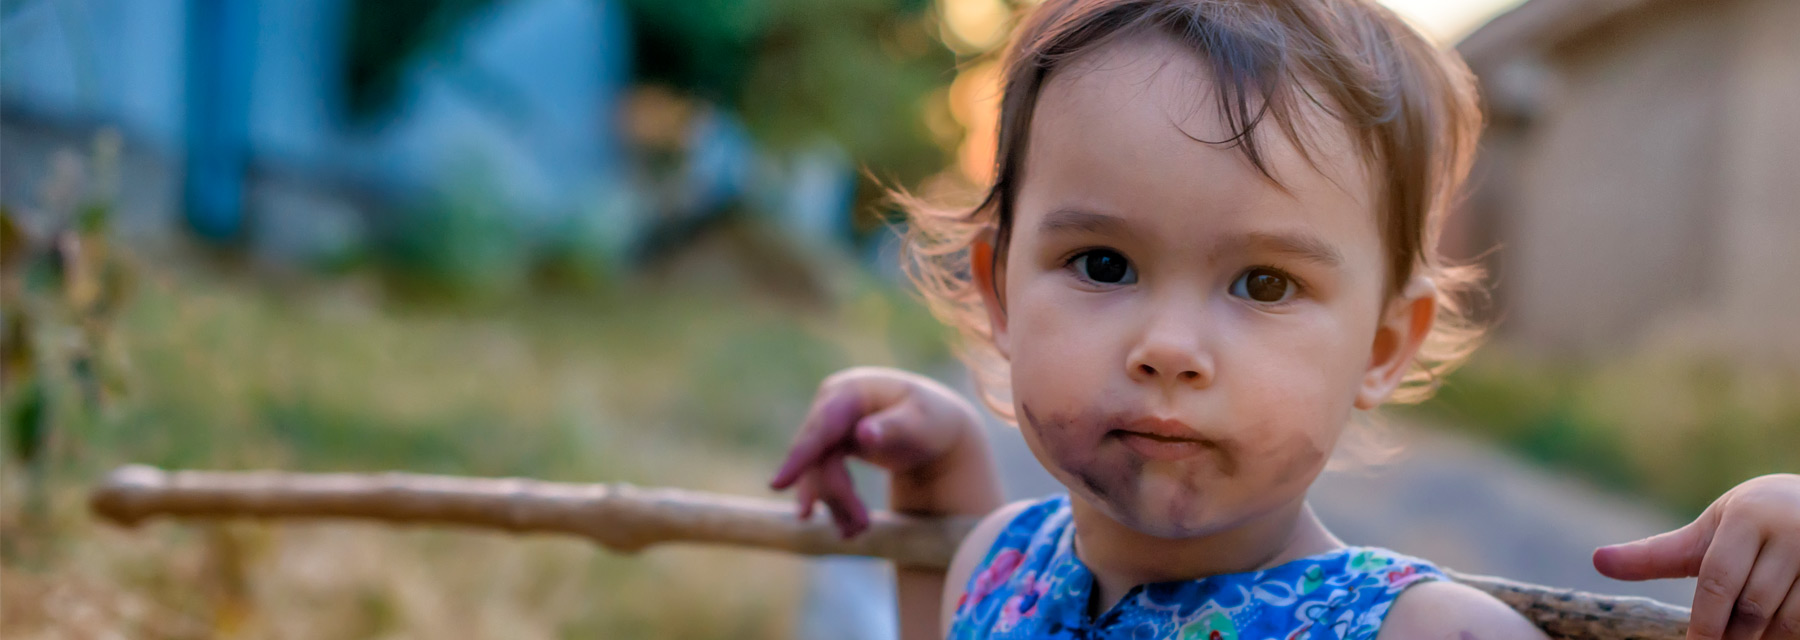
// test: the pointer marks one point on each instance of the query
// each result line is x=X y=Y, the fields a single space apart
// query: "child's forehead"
x=1147 y=75
x=1135 y=120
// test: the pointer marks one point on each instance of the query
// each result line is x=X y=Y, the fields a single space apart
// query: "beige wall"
x=1608 y=217
x=1758 y=268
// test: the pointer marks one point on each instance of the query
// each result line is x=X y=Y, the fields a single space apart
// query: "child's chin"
x=1164 y=511
x=1162 y=526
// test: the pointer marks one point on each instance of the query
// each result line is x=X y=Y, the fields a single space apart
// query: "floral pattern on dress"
x=1031 y=585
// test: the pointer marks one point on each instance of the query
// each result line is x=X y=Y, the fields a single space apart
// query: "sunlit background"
x=623 y=241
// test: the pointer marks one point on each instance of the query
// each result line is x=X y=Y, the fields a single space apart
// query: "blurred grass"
x=679 y=379
x=693 y=375
x=1680 y=428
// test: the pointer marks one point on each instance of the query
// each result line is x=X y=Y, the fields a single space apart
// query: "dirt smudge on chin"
x=1075 y=443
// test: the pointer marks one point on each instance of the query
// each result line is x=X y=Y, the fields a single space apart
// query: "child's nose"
x=1169 y=355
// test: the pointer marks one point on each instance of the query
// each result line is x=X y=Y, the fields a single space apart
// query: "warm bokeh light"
x=975 y=103
x=974 y=26
x=1447 y=21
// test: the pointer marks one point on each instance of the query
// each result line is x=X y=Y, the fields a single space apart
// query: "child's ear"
x=986 y=269
x=1405 y=323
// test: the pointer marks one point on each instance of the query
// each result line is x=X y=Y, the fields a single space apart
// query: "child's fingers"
x=807 y=493
x=840 y=494
x=889 y=438
x=824 y=430
x=1675 y=554
x=1770 y=580
x=1786 y=625
x=1722 y=574
x=1764 y=590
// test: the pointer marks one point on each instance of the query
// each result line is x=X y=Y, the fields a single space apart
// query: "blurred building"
x=1641 y=174
x=296 y=127
x=249 y=100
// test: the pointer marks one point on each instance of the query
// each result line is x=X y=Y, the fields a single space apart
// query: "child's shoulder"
x=974 y=547
x=1016 y=525
x=1008 y=524
x=1445 y=609
x=1420 y=600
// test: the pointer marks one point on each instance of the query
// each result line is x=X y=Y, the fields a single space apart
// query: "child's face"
x=1159 y=284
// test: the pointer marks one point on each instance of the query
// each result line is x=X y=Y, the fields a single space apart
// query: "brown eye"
x=1105 y=266
x=1263 y=285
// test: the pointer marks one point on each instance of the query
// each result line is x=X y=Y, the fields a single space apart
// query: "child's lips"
x=1159 y=447
x=1160 y=438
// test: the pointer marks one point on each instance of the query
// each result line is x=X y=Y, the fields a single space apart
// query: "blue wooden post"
x=221 y=47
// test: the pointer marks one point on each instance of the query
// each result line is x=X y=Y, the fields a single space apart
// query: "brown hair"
x=1410 y=107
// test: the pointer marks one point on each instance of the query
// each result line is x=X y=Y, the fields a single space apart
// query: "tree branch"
x=626 y=519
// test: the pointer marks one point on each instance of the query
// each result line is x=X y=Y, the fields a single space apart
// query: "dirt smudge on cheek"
x=1303 y=458
x=1076 y=445
x=1226 y=455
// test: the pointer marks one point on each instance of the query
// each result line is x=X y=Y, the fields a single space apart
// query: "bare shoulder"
x=970 y=552
x=1445 y=610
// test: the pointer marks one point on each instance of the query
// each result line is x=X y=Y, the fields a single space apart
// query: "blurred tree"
x=384 y=37
x=860 y=73
x=856 y=71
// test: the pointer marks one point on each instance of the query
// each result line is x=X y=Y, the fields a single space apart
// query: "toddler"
x=1211 y=237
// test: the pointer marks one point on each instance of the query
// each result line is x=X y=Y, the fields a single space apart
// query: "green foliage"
x=27 y=421
x=855 y=71
x=702 y=47
x=463 y=246
x=1679 y=428
x=385 y=36
x=61 y=288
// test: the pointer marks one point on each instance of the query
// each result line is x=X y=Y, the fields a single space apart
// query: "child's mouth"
x=1159 y=447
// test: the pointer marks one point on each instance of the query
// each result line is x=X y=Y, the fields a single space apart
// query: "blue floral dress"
x=1031 y=585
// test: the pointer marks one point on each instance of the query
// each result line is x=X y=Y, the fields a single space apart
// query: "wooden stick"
x=626 y=519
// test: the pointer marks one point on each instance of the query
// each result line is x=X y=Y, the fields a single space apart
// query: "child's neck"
x=1121 y=557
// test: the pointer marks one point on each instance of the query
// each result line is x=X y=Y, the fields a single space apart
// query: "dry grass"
x=691 y=382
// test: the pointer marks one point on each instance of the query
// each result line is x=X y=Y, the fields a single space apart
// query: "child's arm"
x=924 y=434
x=963 y=483
x=1745 y=549
x=1444 y=610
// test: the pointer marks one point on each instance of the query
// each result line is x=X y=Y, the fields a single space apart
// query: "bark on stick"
x=625 y=519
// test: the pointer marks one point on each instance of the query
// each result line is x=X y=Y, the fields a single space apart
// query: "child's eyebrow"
x=1301 y=246
x=1074 y=220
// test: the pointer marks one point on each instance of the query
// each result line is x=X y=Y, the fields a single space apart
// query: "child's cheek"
x=1065 y=351
x=1291 y=405
x=1287 y=462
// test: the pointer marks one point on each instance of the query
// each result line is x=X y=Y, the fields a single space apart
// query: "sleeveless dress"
x=1031 y=585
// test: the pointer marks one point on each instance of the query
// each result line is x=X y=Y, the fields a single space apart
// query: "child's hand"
x=900 y=421
x=1746 y=551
